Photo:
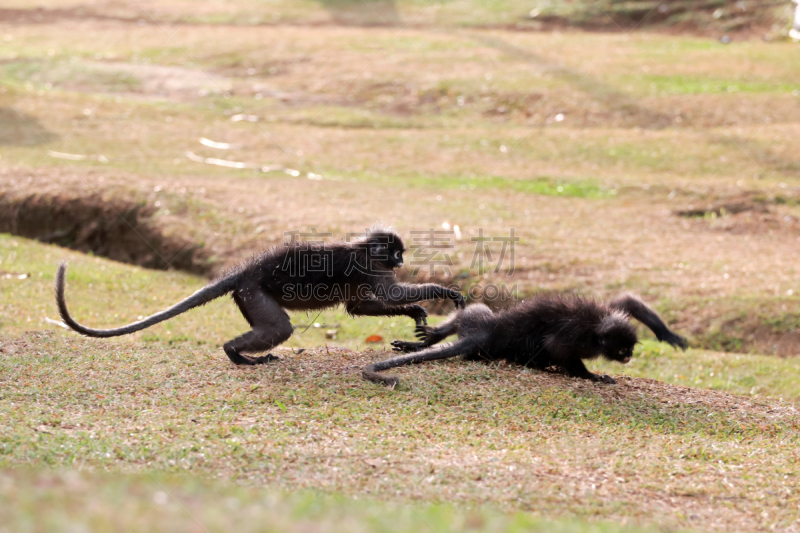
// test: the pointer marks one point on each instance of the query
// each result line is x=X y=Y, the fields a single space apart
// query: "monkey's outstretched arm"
x=577 y=369
x=465 y=346
x=373 y=307
x=203 y=296
x=406 y=293
x=641 y=312
x=560 y=353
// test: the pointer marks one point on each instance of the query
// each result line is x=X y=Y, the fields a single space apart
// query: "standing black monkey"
x=541 y=332
x=298 y=277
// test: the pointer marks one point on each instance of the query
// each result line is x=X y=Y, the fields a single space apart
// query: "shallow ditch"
x=120 y=230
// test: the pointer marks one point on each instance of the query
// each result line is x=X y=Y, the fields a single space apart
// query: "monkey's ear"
x=378 y=249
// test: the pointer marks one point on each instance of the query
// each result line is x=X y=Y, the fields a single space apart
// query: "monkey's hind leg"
x=465 y=346
x=270 y=323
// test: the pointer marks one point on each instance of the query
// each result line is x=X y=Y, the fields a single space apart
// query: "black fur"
x=299 y=277
x=541 y=332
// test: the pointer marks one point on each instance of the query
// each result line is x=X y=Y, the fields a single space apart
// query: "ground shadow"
x=120 y=230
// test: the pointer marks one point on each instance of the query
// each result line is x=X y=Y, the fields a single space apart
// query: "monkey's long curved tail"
x=203 y=296
x=460 y=347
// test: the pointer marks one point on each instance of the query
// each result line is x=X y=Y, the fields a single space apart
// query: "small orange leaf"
x=374 y=338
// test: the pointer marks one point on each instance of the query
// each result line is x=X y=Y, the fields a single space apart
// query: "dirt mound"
x=698 y=16
x=732 y=206
x=120 y=230
x=745 y=214
x=41 y=15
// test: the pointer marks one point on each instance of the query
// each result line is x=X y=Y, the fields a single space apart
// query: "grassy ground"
x=167 y=400
x=423 y=115
x=177 y=502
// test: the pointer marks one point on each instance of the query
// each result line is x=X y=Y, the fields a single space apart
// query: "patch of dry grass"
x=422 y=127
x=461 y=433
x=167 y=400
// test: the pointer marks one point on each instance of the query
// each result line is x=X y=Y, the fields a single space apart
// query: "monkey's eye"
x=397 y=254
x=621 y=352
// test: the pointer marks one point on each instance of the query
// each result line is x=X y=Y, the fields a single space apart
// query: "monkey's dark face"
x=618 y=342
x=385 y=250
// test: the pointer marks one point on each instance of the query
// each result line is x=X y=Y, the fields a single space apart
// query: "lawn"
x=634 y=154
x=684 y=440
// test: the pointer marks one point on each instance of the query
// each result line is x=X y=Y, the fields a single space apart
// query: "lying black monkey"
x=540 y=332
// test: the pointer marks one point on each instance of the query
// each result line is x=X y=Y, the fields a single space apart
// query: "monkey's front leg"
x=379 y=308
x=559 y=353
x=577 y=369
x=405 y=293
x=644 y=314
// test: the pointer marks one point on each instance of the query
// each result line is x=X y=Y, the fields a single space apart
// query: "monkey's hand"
x=602 y=378
x=674 y=340
x=419 y=314
x=457 y=298
x=406 y=347
x=422 y=332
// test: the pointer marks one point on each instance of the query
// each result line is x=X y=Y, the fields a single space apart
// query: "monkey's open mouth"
x=626 y=360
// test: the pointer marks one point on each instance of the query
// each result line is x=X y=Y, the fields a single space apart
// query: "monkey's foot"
x=406 y=347
x=239 y=359
x=602 y=378
x=386 y=381
x=264 y=359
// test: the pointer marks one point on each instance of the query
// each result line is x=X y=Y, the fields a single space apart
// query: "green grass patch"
x=679 y=84
x=103 y=502
x=542 y=185
x=50 y=74
x=738 y=373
